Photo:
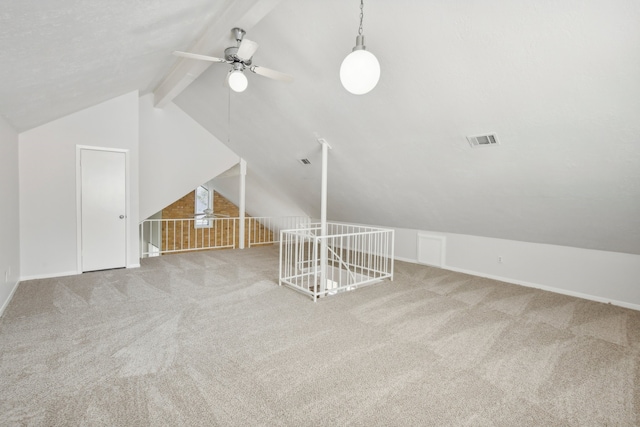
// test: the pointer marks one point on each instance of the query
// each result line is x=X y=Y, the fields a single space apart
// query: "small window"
x=204 y=207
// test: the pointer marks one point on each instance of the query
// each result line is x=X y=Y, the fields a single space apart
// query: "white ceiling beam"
x=243 y=14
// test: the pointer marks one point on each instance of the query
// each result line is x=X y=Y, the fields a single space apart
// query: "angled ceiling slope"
x=557 y=82
x=60 y=57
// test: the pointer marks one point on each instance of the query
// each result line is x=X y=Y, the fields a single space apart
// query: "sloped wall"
x=262 y=197
x=176 y=155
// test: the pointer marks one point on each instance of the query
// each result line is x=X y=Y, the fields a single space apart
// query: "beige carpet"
x=210 y=339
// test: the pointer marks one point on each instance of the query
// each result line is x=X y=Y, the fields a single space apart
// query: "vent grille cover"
x=483 y=140
x=305 y=161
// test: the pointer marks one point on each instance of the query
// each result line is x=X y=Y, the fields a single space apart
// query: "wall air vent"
x=305 y=161
x=483 y=140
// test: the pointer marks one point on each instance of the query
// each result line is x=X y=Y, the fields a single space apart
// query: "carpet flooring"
x=210 y=339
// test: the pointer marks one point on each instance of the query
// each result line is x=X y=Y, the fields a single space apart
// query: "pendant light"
x=360 y=70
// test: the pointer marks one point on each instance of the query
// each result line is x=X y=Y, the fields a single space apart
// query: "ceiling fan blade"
x=198 y=56
x=247 y=49
x=272 y=74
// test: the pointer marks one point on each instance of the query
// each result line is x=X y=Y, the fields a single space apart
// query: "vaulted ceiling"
x=557 y=81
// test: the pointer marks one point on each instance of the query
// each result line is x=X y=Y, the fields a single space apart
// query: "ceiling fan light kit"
x=240 y=59
x=236 y=79
x=360 y=70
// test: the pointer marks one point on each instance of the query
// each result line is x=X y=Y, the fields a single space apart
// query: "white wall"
x=262 y=199
x=597 y=275
x=47 y=170
x=176 y=155
x=9 y=214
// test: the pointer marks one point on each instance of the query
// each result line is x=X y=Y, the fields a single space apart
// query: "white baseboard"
x=66 y=273
x=6 y=303
x=533 y=285
x=548 y=288
x=49 y=276
x=412 y=261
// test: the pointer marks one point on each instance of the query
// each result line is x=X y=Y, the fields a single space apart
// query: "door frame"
x=127 y=191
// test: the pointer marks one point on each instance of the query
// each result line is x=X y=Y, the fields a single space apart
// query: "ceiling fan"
x=239 y=57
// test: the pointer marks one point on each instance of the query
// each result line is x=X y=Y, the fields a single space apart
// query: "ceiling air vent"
x=483 y=140
x=305 y=161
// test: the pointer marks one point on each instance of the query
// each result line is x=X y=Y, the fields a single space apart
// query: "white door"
x=103 y=209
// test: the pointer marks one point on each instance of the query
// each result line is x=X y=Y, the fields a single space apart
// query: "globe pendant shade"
x=360 y=72
x=238 y=81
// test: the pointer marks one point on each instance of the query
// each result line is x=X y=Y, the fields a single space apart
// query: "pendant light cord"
x=361 y=16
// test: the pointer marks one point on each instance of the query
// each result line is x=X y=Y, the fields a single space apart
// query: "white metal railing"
x=164 y=236
x=346 y=257
x=266 y=229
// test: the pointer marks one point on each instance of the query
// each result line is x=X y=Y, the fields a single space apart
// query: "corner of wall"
x=8 y=298
x=10 y=213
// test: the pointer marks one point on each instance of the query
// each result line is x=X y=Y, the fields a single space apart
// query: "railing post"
x=241 y=207
x=393 y=237
x=280 y=262
x=323 y=217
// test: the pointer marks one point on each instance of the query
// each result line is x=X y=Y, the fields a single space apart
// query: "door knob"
x=121 y=216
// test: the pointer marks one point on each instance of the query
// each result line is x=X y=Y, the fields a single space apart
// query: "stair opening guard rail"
x=165 y=236
x=355 y=256
x=266 y=229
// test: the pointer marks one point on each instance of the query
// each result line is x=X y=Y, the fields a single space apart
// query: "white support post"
x=323 y=217
x=241 y=214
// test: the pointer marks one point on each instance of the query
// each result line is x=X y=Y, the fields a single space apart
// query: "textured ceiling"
x=559 y=82
x=59 y=56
